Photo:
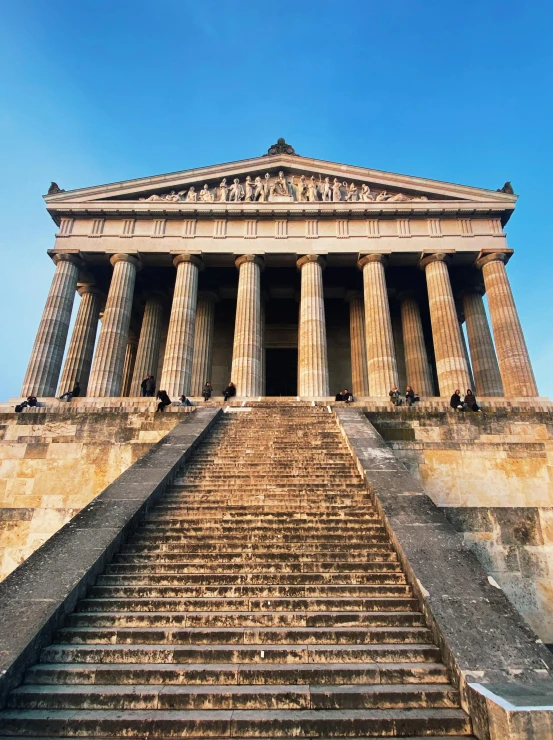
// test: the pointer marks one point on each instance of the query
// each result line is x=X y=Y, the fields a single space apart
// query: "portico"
x=287 y=275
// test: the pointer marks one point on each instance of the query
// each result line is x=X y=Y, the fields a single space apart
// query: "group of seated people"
x=344 y=396
x=397 y=399
x=468 y=404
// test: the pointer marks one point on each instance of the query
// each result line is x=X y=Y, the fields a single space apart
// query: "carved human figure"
x=223 y=190
x=336 y=190
x=366 y=194
x=192 y=195
x=154 y=197
x=352 y=194
x=327 y=190
x=236 y=191
x=280 y=186
x=383 y=195
x=259 y=190
x=312 y=190
x=398 y=198
x=301 y=189
x=248 y=189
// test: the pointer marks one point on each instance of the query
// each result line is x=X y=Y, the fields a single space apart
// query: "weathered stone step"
x=253 y=553
x=321 y=674
x=236 y=723
x=208 y=619
x=234 y=697
x=214 y=514
x=258 y=591
x=168 y=520
x=245 y=636
x=292 y=560
x=311 y=571
x=250 y=578
x=263 y=653
x=157 y=534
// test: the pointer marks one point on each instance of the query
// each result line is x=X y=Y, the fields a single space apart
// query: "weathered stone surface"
x=487 y=377
x=149 y=343
x=312 y=348
x=418 y=372
x=203 y=341
x=246 y=373
x=359 y=376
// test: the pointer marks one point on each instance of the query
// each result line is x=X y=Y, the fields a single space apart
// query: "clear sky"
x=95 y=92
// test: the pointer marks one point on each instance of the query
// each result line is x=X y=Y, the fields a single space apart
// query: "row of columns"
x=119 y=363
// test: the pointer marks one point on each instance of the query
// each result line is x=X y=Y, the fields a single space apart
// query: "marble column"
x=379 y=338
x=487 y=377
x=312 y=348
x=106 y=376
x=44 y=366
x=461 y=317
x=130 y=361
x=81 y=347
x=263 y=362
x=359 y=377
x=512 y=354
x=247 y=350
x=147 y=354
x=451 y=364
x=203 y=341
x=179 y=348
x=419 y=376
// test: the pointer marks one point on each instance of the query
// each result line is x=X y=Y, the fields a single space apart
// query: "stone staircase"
x=260 y=598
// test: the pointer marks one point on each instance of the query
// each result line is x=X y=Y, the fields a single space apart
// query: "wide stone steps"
x=260 y=598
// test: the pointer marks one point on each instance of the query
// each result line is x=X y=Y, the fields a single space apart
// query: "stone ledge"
x=37 y=596
x=484 y=641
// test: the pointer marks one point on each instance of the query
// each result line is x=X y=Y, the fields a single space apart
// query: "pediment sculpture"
x=279 y=188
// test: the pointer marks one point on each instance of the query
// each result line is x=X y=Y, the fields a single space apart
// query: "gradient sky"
x=95 y=92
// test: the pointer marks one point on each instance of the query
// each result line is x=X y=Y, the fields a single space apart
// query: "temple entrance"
x=281 y=371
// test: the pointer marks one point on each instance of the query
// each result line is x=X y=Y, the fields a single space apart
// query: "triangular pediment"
x=260 y=180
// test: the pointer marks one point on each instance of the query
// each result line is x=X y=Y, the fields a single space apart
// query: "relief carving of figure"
x=248 y=189
x=336 y=190
x=192 y=195
x=236 y=190
x=366 y=194
x=352 y=193
x=206 y=196
x=398 y=198
x=301 y=189
x=154 y=197
x=223 y=191
x=327 y=190
x=173 y=197
x=383 y=195
x=259 y=192
x=280 y=186
x=312 y=190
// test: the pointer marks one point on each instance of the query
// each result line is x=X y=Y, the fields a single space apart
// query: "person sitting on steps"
x=455 y=401
x=68 y=395
x=347 y=396
x=207 y=391
x=184 y=401
x=229 y=391
x=395 y=398
x=164 y=400
x=339 y=396
x=410 y=396
x=470 y=401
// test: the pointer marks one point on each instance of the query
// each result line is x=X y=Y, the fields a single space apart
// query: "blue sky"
x=104 y=91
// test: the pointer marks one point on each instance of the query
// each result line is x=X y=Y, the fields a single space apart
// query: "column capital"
x=132 y=339
x=485 y=259
x=257 y=259
x=352 y=295
x=193 y=259
x=83 y=288
x=65 y=257
x=368 y=258
x=307 y=258
x=209 y=295
x=474 y=288
x=132 y=259
x=429 y=259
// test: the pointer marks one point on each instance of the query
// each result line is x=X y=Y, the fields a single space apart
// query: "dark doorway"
x=282 y=372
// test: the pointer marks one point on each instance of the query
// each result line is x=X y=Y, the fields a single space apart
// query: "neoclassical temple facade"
x=289 y=276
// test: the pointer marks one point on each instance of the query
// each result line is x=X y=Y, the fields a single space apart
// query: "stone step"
x=263 y=653
x=233 y=619
x=250 y=578
x=259 y=591
x=244 y=636
x=274 y=674
x=387 y=696
x=380 y=554
x=293 y=571
x=237 y=723
x=155 y=534
x=326 y=550
x=251 y=553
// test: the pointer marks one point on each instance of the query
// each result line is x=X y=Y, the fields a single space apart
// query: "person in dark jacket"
x=339 y=396
x=409 y=396
x=151 y=386
x=164 y=400
x=207 y=391
x=395 y=398
x=470 y=401
x=456 y=402
x=184 y=401
x=68 y=395
x=347 y=396
x=144 y=385
x=229 y=391
x=31 y=401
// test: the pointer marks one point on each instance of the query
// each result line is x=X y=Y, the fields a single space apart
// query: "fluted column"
x=381 y=355
x=247 y=349
x=179 y=348
x=417 y=367
x=81 y=347
x=44 y=366
x=461 y=317
x=130 y=361
x=312 y=348
x=512 y=354
x=359 y=376
x=263 y=362
x=147 y=354
x=106 y=376
x=203 y=341
x=487 y=377
x=451 y=363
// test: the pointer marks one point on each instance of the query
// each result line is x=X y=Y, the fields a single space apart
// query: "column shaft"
x=418 y=372
x=512 y=354
x=359 y=377
x=451 y=363
x=203 y=342
x=128 y=366
x=81 y=347
x=487 y=377
x=381 y=356
x=106 y=376
x=147 y=354
x=179 y=349
x=312 y=347
x=247 y=349
x=44 y=366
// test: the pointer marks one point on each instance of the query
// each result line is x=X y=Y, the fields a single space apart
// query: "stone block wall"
x=492 y=475
x=53 y=463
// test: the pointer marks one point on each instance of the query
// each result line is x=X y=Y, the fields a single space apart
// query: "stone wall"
x=53 y=463
x=492 y=475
